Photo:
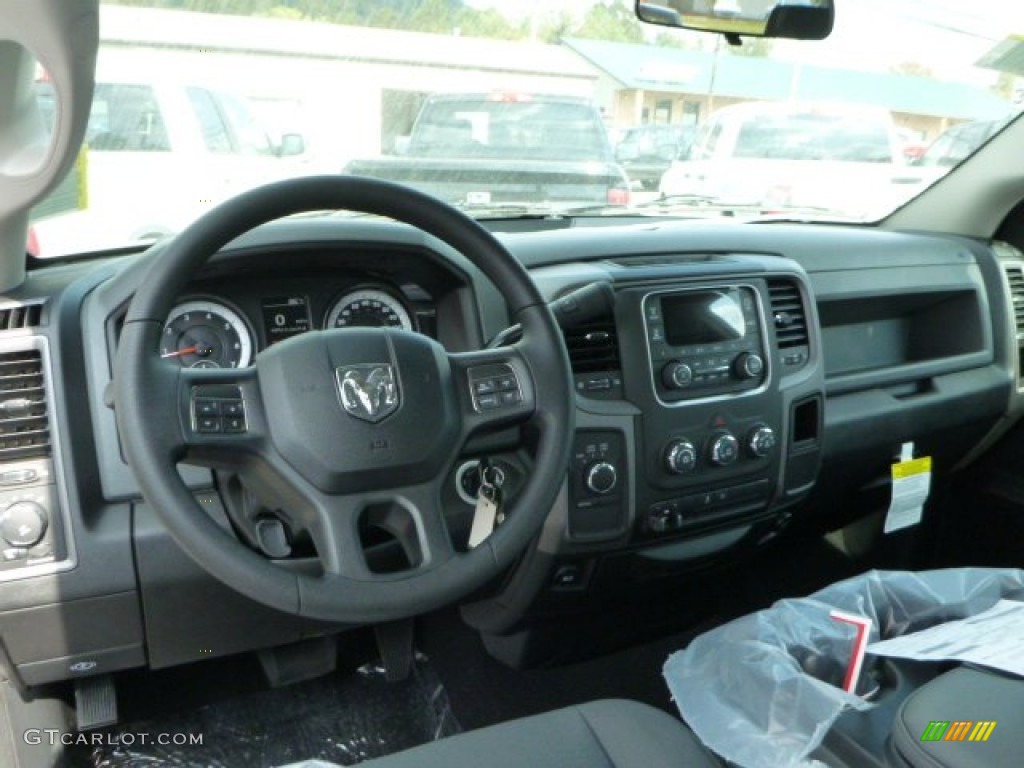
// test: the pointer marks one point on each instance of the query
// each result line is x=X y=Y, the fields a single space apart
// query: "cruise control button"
x=232 y=408
x=487 y=402
x=511 y=398
x=208 y=424
x=234 y=424
x=506 y=383
x=207 y=408
x=484 y=387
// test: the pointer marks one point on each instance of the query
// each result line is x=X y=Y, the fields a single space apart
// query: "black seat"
x=610 y=733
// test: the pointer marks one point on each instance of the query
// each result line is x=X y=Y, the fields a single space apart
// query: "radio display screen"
x=703 y=317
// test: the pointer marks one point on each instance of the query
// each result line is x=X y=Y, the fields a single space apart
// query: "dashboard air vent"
x=788 y=314
x=593 y=346
x=1015 y=279
x=24 y=427
x=20 y=316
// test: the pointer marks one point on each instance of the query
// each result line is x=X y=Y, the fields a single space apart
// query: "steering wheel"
x=338 y=424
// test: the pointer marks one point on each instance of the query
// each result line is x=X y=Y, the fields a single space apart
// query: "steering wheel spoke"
x=381 y=536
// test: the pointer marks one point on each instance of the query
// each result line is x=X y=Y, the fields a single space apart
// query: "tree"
x=752 y=46
x=611 y=21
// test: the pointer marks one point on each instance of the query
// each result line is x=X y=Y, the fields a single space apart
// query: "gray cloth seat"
x=611 y=733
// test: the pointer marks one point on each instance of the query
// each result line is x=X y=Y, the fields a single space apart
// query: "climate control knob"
x=23 y=524
x=761 y=441
x=748 y=365
x=680 y=457
x=724 y=449
x=602 y=477
x=677 y=375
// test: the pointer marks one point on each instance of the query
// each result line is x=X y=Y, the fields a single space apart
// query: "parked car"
x=957 y=143
x=647 y=151
x=501 y=148
x=791 y=155
x=203 y=143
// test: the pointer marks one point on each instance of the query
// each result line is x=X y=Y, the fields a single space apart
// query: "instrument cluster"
x=210 y=331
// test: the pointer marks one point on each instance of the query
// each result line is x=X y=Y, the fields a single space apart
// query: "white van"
x=183 y=148
x=792 y=155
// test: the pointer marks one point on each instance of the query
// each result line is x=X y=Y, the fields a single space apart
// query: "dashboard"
x=745 y=379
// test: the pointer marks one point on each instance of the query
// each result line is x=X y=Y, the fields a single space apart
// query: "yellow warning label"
x=913 y=467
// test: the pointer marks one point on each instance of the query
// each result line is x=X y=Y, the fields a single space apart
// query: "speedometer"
x=206 y=334
x=368 y=307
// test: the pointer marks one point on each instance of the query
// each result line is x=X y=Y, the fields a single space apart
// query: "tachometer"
x=368 y=307
x=206 y=334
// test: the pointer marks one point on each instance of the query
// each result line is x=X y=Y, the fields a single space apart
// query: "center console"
x=711 y=432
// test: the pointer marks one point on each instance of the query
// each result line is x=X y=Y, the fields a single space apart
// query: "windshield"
x=508 y=108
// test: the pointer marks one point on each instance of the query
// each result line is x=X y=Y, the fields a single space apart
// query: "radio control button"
x=677 y=375
x=761 y=441
x=23 y=524
x=748 y=365
x=680 y=457
x=724 y=449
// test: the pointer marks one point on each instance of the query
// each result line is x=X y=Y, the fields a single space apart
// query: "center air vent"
x=593 y=347
x=789 y=317
x=24 y=428
x=1015 y=279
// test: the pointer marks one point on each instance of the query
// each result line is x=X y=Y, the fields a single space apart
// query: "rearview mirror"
x=798 y=19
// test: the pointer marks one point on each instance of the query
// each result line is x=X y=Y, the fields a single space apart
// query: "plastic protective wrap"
x=762 y=691
x=338 y=719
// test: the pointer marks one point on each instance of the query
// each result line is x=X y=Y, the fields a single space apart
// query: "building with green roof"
x=655 y=84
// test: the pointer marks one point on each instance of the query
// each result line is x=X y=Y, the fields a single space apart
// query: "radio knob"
x=23 y=524
x=761 y=441
x=680 y=457
x=602 y=477
x=677 y=375
x=748 y=365
x=724 y=449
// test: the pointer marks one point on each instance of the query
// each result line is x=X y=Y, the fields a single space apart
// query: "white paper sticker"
x=911 y=482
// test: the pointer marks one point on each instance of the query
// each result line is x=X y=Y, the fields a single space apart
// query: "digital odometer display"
x=284 y=317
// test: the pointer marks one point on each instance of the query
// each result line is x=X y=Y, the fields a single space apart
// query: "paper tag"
x=911 y=483
x=484 y=518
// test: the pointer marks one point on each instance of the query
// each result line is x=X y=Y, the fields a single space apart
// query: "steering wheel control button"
x=207 y=408
x=485 y=387
x=208 y=424
x=23 y=524
x=680 y=457
x=494 y=386
x=232 y=408
x=724 y=449
x=234 y=424
x=218 y=409
x=761 y=441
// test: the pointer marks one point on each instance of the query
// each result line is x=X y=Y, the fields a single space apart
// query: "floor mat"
x=343 y=719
